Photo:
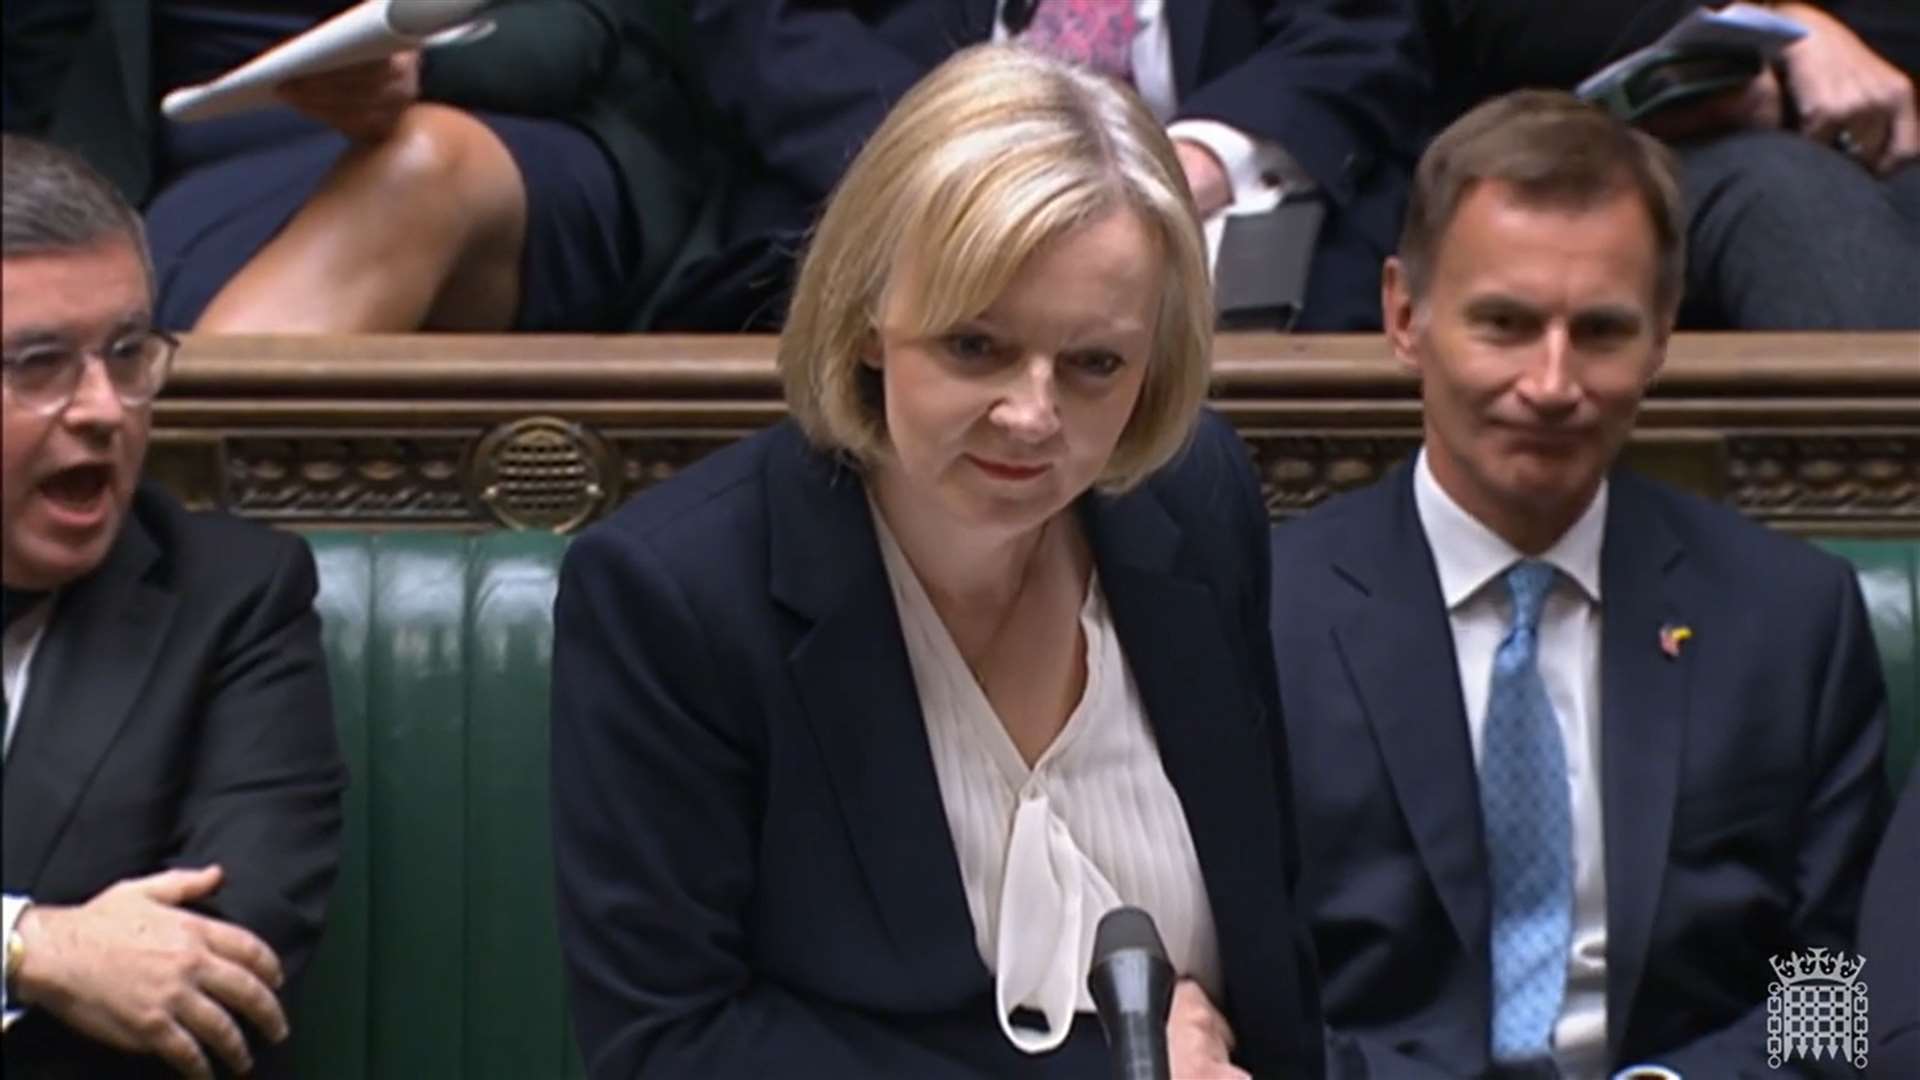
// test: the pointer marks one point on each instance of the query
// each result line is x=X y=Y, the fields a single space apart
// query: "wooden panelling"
x=1811 y=432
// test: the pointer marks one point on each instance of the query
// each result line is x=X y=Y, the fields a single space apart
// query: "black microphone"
x=1132 y=985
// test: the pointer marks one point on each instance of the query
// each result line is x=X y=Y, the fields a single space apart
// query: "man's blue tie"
x=1524 y=803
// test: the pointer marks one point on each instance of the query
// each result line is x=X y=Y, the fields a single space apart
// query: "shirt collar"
x=1467 y=554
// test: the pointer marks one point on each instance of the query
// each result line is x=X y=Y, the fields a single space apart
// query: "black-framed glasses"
x=43 y=378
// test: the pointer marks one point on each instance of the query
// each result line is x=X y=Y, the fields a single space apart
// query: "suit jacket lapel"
x=1397 y=643
x=1187 y=36
x=1208 y=730
x=106 y=633
x=1643 y=708
x=855 y=685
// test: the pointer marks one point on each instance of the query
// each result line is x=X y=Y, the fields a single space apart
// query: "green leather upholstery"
x=441 y=957
x=1890 y=582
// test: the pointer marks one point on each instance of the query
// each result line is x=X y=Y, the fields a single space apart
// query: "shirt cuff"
x=1259 y=172
x=10 y=908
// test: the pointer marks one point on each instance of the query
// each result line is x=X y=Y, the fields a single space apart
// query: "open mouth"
x=79 y=489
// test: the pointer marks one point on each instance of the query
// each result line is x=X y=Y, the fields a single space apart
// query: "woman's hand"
x=1847 y=95
x=362 y=102
x=1199 y=1042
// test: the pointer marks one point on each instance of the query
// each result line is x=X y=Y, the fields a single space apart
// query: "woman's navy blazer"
x=756 y=876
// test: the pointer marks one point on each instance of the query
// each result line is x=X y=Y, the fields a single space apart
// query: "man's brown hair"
x=1552 y=149
x=52 y=201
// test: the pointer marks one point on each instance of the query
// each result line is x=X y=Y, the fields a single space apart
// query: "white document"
x=371 y=30
x=1733 y=28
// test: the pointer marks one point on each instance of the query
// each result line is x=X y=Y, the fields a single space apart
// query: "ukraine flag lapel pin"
x=1672 y=636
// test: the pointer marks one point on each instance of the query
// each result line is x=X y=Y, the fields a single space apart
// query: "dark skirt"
x=232 y=184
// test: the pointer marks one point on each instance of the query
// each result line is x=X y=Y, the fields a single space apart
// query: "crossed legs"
x=1786 y=234
x=423 y=230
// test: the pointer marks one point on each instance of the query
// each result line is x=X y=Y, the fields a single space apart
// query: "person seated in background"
x=1264 y=100
x=172 y=780
x=862 y=724
x=1890 y=943
x=522 y=182
x=1802 y=189
x=1575 y=753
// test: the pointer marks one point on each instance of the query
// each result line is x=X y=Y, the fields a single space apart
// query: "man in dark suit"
x=1313 y=99
x=172 y=782
x=1575 y=753
x=1802 y=186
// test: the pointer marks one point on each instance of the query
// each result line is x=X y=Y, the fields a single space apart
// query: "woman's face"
x=1004 y=420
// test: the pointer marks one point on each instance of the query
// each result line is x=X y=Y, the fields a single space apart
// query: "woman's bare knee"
x=440 y=160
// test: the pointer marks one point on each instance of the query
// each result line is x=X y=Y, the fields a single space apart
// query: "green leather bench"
x=441 y=957
x=1890 y=582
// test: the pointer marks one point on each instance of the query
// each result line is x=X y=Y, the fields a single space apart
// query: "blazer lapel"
x=1397 y=644
x=1208 y=729
x=1643 y=707
x=855 y=685
x=106 y=633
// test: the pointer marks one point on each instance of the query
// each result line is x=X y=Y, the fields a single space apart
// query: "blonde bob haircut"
x=996 y=152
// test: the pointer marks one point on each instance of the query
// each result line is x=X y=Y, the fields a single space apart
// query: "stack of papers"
x=1734 y=28
x=371 y=30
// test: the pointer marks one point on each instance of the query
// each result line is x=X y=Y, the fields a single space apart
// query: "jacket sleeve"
x=545 y=58
x=655 y=802
x=1888 y=942
x=1338 y=83
x=263 y=798
x=1255 y=528
x=1500 y=44
x=804 y=82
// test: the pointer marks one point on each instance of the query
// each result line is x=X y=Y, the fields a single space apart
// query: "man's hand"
x=1211 y=189
x=362 y=102
x=1755 y=105
x=1840 y=85
x=132 y=969
x=1199 y=1042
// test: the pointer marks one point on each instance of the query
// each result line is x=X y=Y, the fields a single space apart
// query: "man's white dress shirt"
x=1258 y=172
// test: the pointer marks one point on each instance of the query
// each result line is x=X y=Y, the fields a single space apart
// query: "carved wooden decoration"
x=1807 y=432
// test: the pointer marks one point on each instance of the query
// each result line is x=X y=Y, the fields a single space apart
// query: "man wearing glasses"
x=172 y=781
